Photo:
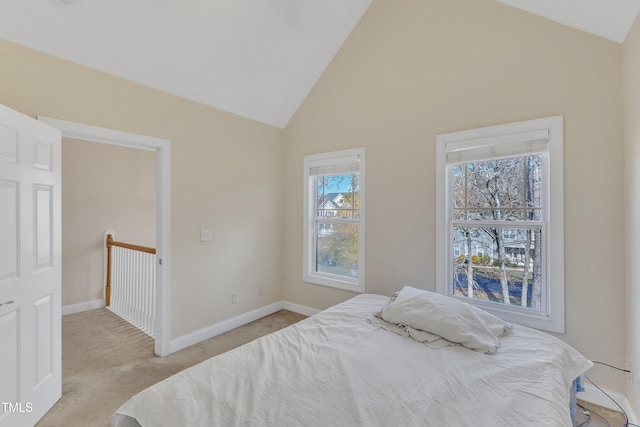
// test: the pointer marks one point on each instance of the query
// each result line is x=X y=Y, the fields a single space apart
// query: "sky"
x=338 y=183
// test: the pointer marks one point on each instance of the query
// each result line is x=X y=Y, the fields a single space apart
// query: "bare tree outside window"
x=497 y=208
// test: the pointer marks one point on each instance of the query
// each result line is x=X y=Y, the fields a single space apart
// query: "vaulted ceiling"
x=610 y=19
x=255 y=58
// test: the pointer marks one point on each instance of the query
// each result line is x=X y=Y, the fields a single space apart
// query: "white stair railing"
x=131 y=283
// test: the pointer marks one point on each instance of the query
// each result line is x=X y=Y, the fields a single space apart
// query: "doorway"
x=162 y=149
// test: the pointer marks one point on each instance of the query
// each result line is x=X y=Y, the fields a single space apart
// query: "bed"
x=340 y=368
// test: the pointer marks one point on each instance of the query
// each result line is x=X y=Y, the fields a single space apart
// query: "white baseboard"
x=242 y=319
x=82 y=306
x=300 y=309
x=222 y=327
x=593 y=395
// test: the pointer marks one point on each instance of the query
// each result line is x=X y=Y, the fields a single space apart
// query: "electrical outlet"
x=260 y=291
x=234 y=298
x=205 y=235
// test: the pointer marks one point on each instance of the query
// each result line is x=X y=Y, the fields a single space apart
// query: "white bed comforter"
x=338 y=369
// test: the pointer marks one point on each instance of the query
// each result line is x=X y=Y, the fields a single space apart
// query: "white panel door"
x=30 y=269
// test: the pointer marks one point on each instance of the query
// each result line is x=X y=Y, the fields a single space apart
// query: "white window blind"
x=523 y=144
x=334 y=166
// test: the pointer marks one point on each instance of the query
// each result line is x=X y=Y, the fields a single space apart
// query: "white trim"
x=82 y=306
x=592 y=395
x=222 y=327
x=300 y=309
x=237 y=321
x=163 y=251
x=162 y=147
x=106 y=136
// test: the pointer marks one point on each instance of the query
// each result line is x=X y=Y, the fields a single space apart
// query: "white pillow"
x=447 y=317
x=408 y=292
x=404 y=293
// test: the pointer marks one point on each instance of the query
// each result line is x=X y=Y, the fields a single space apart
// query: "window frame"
x=551 y=315
x=328 y=160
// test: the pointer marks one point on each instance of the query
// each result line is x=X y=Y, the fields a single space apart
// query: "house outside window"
x=334 y=219
x=456 y=250
x=500 y=189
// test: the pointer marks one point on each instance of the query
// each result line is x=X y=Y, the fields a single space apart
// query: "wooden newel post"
x=108 y=285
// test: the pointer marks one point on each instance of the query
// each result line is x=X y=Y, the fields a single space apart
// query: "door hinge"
x=160 y=261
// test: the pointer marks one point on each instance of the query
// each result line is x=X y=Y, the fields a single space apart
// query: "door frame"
x=162 y=147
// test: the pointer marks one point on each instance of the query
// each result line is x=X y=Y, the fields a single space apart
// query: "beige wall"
x=104 y=187
x=631 y=73
x=412 y=70
x=226 y=175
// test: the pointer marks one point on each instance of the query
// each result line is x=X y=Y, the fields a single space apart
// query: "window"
x=501 y=189
x=334 y=219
